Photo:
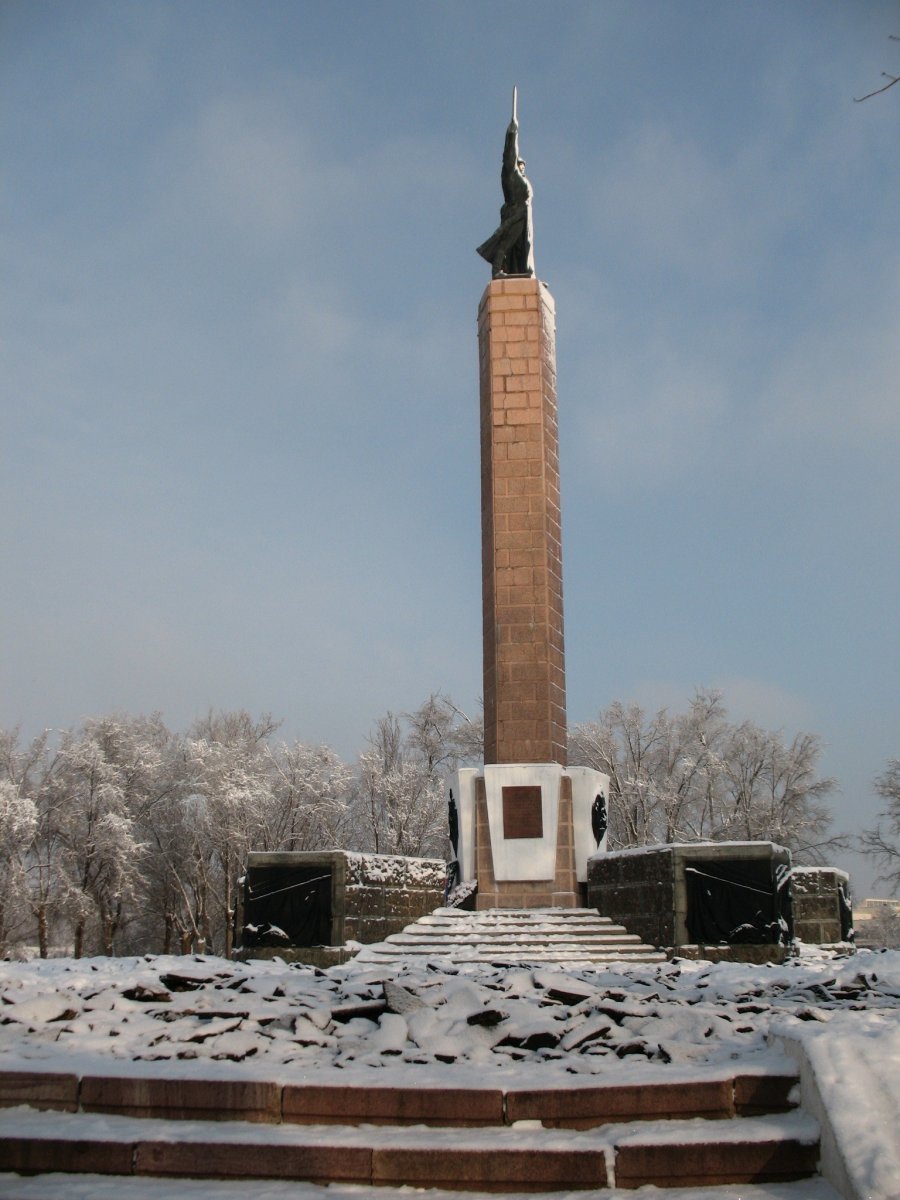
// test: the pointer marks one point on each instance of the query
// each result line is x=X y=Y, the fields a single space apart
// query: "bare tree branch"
x=868 y=96
x=884 y=75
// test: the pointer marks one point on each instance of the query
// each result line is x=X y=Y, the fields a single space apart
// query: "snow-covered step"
x=517 y=931
x=493 y=949
x=410 y=936
x=677 y=1154
x=516 y=935
x=403 y=1101
x=545 y=935
x=126 y=1187
x=513 y=916
x=665 y=1153
x=537 y=929
x=507 y=958
x=506 y=953
x=558 y=943
x=123 y=1187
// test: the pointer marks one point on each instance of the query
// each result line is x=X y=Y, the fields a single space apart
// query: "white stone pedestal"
x=526 y=832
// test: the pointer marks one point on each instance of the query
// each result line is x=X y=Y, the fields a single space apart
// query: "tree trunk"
x=110 y=919
x=206 y=942
x=229 y=932
x=43 y=937
x=229 y=911
x=78 y=949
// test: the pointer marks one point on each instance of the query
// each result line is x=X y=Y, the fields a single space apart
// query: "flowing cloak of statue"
x=508 y=249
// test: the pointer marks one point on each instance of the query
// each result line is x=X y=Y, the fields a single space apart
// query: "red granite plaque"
x=522 y=816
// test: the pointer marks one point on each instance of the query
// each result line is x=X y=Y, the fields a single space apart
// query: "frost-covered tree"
x=442 y=736
x=694 y=776
x=771 y=791
x=30 y=770
x=882 y=842
x=663 y=769
x=93 y=795
x=157 y=786
x=400 y=800
x=127 y=837
x=231 y=798
x=18 y=825
x=310 y=800
x=400 y=808
x=173 y=918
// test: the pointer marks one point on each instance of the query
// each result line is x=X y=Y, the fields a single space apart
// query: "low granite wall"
x=382 y=893
x=636 y=889
x=358 y=898
x=822 y=911
x=646 y=890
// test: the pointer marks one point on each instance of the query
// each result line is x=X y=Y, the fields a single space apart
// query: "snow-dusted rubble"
x=578 y=1021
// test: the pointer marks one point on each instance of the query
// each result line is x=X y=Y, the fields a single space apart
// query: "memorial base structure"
x=526 y=831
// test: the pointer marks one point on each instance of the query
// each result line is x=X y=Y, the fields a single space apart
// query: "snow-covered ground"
x=478 y=1025
x=99 y=1187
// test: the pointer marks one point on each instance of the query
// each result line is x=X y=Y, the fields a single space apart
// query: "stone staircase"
x=729 y=1129
x=512 y=935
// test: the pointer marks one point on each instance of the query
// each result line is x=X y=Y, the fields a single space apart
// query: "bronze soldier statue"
x=509 y=249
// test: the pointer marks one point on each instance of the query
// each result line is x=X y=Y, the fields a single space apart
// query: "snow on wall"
x=691 y=847
x=393 y=870
x=850 y=1081
x=814 y=880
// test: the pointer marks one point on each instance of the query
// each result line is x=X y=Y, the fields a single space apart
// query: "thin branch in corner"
x=893 y=78
x=884 y=75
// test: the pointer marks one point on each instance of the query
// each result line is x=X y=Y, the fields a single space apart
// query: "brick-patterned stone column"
x=524 y=658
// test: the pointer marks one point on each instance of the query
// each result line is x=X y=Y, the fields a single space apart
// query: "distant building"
x=877 y=922
x=874 y=906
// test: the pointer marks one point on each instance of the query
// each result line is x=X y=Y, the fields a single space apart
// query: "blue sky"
x=239 y=388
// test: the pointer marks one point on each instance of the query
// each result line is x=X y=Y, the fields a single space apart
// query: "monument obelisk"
x=525 y=818
x=524 y=658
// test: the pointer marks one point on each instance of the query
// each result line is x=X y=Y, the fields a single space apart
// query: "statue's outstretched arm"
x=511 y=146
x=510 y=156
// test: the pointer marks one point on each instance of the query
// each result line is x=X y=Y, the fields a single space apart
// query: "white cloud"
x=256 y=170
x=765 y=319
x=766 y=704
x=259 y=171
x=678 y=206
x=746 y=699
x=647 y=410
x=353 y=361
x=275 y=166
x=838 y=382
